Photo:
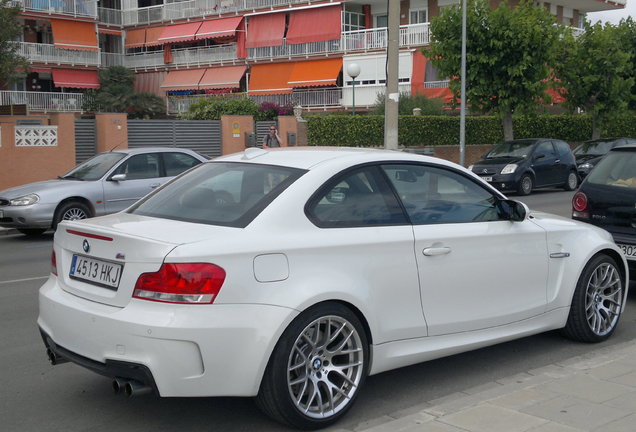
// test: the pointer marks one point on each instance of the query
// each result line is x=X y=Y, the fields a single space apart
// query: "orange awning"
x=314 y=25
x=182 y=80
x=75 y=78
x=271 y=78
x=109 y=31
x=179 y=33
x=218 y=28
x=222 y=77
x=265 y=30
x=315 y=73
x=135 y=38
x=152 y=36
x=76 y=35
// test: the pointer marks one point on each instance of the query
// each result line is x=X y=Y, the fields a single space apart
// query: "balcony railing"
x=199 y=56
x=46 y=53
x=287 y=50
x=109 y=16
x=44 y=101
x=86 y=8
x=436 y=84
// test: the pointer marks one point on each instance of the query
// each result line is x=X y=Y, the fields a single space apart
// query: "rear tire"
x=72 y=210
x=597 y=302
x=317 y=368
x=572 y=181
x=525 y=185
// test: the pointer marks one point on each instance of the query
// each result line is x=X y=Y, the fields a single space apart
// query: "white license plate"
x=628 y=250
x=488 y=179
x=97 y=272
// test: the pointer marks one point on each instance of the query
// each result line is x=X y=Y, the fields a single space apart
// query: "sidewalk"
x=592 y=392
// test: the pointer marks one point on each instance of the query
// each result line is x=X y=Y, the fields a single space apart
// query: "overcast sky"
x=614 y=16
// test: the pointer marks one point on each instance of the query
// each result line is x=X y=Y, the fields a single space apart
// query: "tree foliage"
x=509 y=56
x=11 y=63
x=595 y=73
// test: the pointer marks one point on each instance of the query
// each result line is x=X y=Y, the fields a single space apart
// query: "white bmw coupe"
x=292 y=274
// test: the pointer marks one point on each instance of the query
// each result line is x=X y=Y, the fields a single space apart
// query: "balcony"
x=360 y=40
x=76 y=8
x=199 y=56
x=109 y=16
x=46 y=53
x=44 y=101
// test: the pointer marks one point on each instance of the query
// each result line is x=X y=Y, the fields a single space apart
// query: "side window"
x=545 y=148
x=436 y=195
x=142 y=166
x=357 y=198
x=176 y=163
x=562 y=148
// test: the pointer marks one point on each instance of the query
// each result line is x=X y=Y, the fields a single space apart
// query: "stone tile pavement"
x=593 y=392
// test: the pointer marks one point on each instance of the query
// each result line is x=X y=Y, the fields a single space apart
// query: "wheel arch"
x=620 y=261
x=80 y=199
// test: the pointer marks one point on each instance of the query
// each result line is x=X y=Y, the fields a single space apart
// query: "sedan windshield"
x=594 y=148
x=616 y=169
x=219 y=193
x=511 y=149
x=95 y=167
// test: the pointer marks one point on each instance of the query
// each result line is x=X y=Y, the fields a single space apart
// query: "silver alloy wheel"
x=74 y=213
x=325 y=367
x=603 y=299
x=526 y=184
x=573 y=181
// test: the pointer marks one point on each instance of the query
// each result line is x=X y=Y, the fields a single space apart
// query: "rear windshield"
x=219 y=193
x=618 y=168
x=511 y=149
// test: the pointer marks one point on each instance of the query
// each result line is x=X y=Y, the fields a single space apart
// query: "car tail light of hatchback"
x=188 y=283
x=53 y=263
x=579 y=206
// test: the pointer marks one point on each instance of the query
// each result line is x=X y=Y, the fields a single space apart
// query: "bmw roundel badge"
x=86 y=246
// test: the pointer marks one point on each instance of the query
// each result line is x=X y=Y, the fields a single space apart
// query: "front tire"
x=572 y=181
x=72 y=210
x=525 y=185
x=317 y=368
x=597 y=302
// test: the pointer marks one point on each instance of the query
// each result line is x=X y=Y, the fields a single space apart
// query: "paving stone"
x=626 y=424
x=522 y=398
x=577 y=413
x=611 y=370
x=553 y=371
x=625 y=402
x=418 y=421
x=490 y=418
x=555 y=427
x=587 y=387
x=628 y=379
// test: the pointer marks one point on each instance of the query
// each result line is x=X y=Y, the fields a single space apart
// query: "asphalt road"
x=39 y=397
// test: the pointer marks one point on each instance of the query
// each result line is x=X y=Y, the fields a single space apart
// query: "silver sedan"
x=106 y=183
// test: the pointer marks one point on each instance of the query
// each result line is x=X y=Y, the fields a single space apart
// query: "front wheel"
x=72 y=210
x=597 y=302
x=572 y=181
x=317 y=368
x=525 y=185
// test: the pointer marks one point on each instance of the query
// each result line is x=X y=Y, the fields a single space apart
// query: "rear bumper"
x=179 y=350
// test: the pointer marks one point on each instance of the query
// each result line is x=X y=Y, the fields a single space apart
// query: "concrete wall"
x=111 y=131
x=233 y=133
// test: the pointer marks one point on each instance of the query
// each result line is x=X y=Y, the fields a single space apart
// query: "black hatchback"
x=589 y=153
x=607 y=198
x=525 y=164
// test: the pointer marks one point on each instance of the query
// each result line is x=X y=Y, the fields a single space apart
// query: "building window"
x=381 y=21
x=418 y=16
x=352 y=21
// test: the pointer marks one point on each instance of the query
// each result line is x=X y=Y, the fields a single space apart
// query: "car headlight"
x=586 y=166
x=509 y=169
x=25 y=200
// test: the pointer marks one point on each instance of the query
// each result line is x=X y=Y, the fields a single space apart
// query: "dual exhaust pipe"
x=130 y=387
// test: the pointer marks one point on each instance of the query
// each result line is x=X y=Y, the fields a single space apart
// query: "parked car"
x=106 y=183
x=607 y=198
x=290 y=275
x=525 y=164
x=589 y=153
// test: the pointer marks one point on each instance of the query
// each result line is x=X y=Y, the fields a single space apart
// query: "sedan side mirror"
x=118 y=177
x=511 y=210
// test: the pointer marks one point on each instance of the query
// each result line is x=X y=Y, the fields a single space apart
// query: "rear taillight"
x=53 y=263
x=190 y=283
x=579 y=205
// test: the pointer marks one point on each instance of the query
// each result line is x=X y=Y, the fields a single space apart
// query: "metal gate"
x=85 y=140
x=202 y=136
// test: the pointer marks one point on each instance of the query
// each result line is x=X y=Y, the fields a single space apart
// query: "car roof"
x=627 y=147
x=311 y=157
x=150 y=150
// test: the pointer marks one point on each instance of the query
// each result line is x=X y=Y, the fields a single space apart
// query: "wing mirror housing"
x=511 y=210
x=118 y=177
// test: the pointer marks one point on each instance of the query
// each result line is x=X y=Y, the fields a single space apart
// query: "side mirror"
x=118 y=177
x=511 y=210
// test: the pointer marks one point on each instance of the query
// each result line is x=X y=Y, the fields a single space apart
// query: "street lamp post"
x=353 y=70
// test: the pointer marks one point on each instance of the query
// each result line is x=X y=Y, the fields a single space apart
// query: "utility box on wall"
x=250 y=139
x=291 y=139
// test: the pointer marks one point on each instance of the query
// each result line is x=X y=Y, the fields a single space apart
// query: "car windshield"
x=219 y=193
x=95 y=167
x=593 y=148
x=511 y=149
x=618 y=168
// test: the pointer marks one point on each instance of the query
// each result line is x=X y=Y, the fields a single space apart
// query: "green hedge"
x=416 y=131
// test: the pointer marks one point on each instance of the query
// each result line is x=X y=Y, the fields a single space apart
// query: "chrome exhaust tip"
x=135 y=388
x=54 y=359
x=119 y=384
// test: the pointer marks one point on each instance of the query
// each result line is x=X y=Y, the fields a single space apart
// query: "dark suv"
x=607 y=198
x=525 y=164
x=589 y=153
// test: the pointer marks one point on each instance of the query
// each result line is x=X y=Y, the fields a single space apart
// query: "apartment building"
x=289 y=52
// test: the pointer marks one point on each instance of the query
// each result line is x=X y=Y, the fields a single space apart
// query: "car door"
x=566 y=161
x=545 y=163
x=477 y=270
x=142 y=175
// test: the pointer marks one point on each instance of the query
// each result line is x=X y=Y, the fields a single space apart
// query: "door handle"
x=155 y=185
x=434 y=251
